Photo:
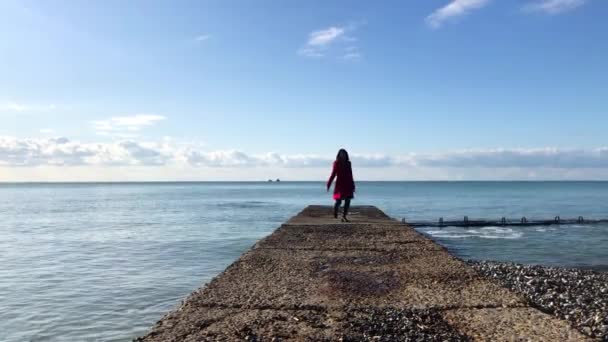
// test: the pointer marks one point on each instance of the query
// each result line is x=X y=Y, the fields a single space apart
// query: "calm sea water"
x=103 y=262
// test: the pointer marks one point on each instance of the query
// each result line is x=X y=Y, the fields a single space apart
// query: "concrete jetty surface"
x=375 y=278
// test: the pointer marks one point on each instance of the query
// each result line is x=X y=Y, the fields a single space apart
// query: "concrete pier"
x=375 y=278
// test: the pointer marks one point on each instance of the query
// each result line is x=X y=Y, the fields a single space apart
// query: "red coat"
x=345 y=185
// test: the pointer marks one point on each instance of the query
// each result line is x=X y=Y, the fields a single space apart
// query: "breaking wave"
x=483 y=233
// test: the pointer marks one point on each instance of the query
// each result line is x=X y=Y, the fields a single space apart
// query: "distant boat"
x=278 y=180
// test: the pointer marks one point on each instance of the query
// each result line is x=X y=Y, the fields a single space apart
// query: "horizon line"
x=310 y=181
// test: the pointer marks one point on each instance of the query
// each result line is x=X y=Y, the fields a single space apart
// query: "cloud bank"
x=63 y=152
x=16 y=152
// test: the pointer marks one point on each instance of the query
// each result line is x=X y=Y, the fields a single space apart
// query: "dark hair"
x=344 y=155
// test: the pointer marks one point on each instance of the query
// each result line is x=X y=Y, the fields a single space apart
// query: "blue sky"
x=210 y=90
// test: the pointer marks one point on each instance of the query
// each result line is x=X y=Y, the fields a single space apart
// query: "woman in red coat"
x=345 y=185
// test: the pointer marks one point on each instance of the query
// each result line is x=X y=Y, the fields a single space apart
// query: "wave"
x=244 y=204
x=483 y=233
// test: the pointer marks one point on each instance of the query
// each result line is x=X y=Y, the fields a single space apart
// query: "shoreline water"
x=457 y=253
x=577 y=294
x=461 y=254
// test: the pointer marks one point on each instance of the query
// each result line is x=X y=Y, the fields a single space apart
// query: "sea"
x=105 y=261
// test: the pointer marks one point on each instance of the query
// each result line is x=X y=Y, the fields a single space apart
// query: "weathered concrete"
x=371 y=279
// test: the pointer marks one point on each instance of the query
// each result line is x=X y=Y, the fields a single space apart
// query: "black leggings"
x=338 y=204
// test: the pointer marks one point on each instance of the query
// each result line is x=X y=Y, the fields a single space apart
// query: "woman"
x=345 y=185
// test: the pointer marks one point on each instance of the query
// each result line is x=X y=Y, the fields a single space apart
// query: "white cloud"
x=22 y=107
x=124 y=126
x=201 y=38
x=454 y=9
x=17 y=152
x=310 y=52
x=351 y=56
x=46 y=130
x=230 y=158
x=324 y=37
x=553 y=6
x=64 y=152
x=321 y=42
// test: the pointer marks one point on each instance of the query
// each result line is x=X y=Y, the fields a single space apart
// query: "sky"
x=250 y=90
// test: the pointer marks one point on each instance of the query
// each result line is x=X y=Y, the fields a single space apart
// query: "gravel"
x=576 y=295
x=394 y=324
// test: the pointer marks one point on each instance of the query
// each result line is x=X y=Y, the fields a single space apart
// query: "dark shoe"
x=344 y=219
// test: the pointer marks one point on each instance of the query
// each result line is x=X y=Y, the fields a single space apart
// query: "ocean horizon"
x=317 y=181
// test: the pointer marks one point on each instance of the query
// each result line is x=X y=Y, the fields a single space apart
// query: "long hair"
x=342 y=157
